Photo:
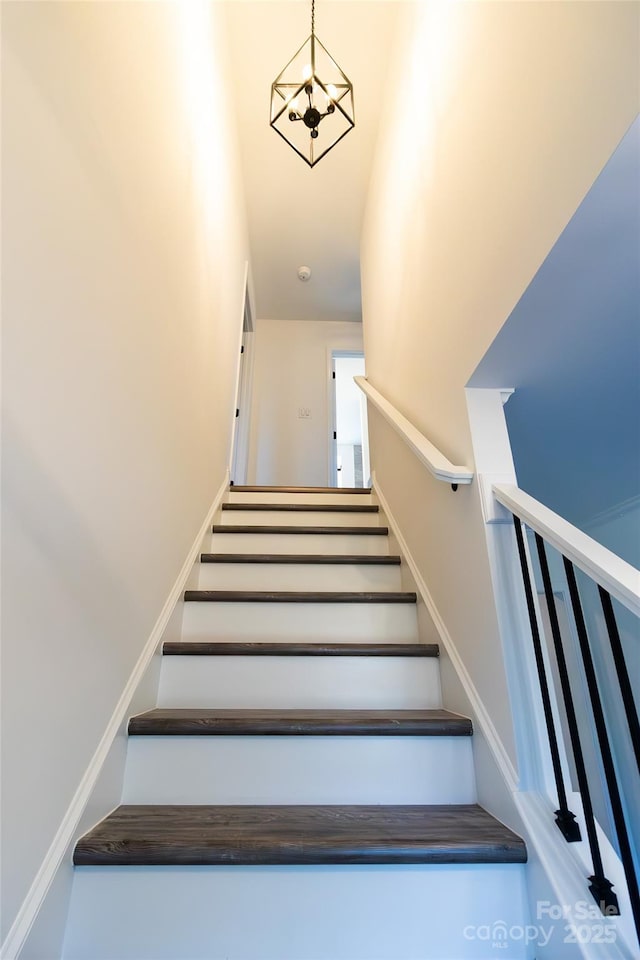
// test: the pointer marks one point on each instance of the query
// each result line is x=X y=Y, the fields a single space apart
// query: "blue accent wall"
x=571 y=348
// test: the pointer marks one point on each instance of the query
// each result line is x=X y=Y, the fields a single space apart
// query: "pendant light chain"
x=313 y=17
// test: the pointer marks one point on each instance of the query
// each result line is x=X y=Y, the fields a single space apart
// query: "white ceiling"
x=298 y=215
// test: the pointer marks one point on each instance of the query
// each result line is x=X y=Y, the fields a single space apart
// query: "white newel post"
x=494 y=464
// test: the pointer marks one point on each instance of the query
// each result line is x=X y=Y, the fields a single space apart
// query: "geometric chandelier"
x=312 y=100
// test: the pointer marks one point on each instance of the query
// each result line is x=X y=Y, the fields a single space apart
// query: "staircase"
x=298 y=793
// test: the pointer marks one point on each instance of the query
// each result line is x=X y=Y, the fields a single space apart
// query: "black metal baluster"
x=600 y=887
x=565 y=819
x=603 y=741
x=621 y=669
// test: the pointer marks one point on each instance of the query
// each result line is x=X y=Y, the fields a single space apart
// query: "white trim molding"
x=485 y=722
x=428 y=454
x=616 y=512
x=613 y=573
x=240 y=428
x=34 y=899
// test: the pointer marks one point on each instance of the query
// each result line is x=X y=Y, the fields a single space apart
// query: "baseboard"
x=34 y=899
x=485 y=722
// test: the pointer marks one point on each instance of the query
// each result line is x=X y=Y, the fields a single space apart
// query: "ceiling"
x=298 y=215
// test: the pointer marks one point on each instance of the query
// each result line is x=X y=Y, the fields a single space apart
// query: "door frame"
x=241 y=422
x=332 y=354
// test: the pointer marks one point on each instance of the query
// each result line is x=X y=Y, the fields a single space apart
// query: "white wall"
x=520 y=105
x=292 y=370
x=123 y=262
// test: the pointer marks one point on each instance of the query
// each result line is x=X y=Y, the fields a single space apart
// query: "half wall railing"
x=583 y=605
x=592 y=603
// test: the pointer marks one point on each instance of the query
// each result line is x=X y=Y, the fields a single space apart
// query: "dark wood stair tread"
x=297 y=596
x=304 y=507
x=325 y=531
x=293 y=558
x=217 y=648
x=237 y=722
x=195 y=834
x=245 y=489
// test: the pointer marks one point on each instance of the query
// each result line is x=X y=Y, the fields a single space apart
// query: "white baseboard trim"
x=34 y=899
x=485 y=722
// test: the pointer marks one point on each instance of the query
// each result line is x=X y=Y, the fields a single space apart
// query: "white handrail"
x=435 y=462
x=613 y=573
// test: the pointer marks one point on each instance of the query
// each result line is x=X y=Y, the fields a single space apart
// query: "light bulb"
x=294 y=104
x=331 y=90
x=307 y=72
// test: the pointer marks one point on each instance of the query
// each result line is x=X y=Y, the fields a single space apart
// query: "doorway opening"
x=350 y=435
x=240 y=439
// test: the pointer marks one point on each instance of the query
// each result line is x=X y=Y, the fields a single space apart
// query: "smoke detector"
x=304 y=273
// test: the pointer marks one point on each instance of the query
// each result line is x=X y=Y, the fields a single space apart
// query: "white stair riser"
x=378 y=912
x=350 y=499
x=295 y=519
x=374 y=683
x=298 y=576
x=312 y=622
x=328 y=769
x=371 y=545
